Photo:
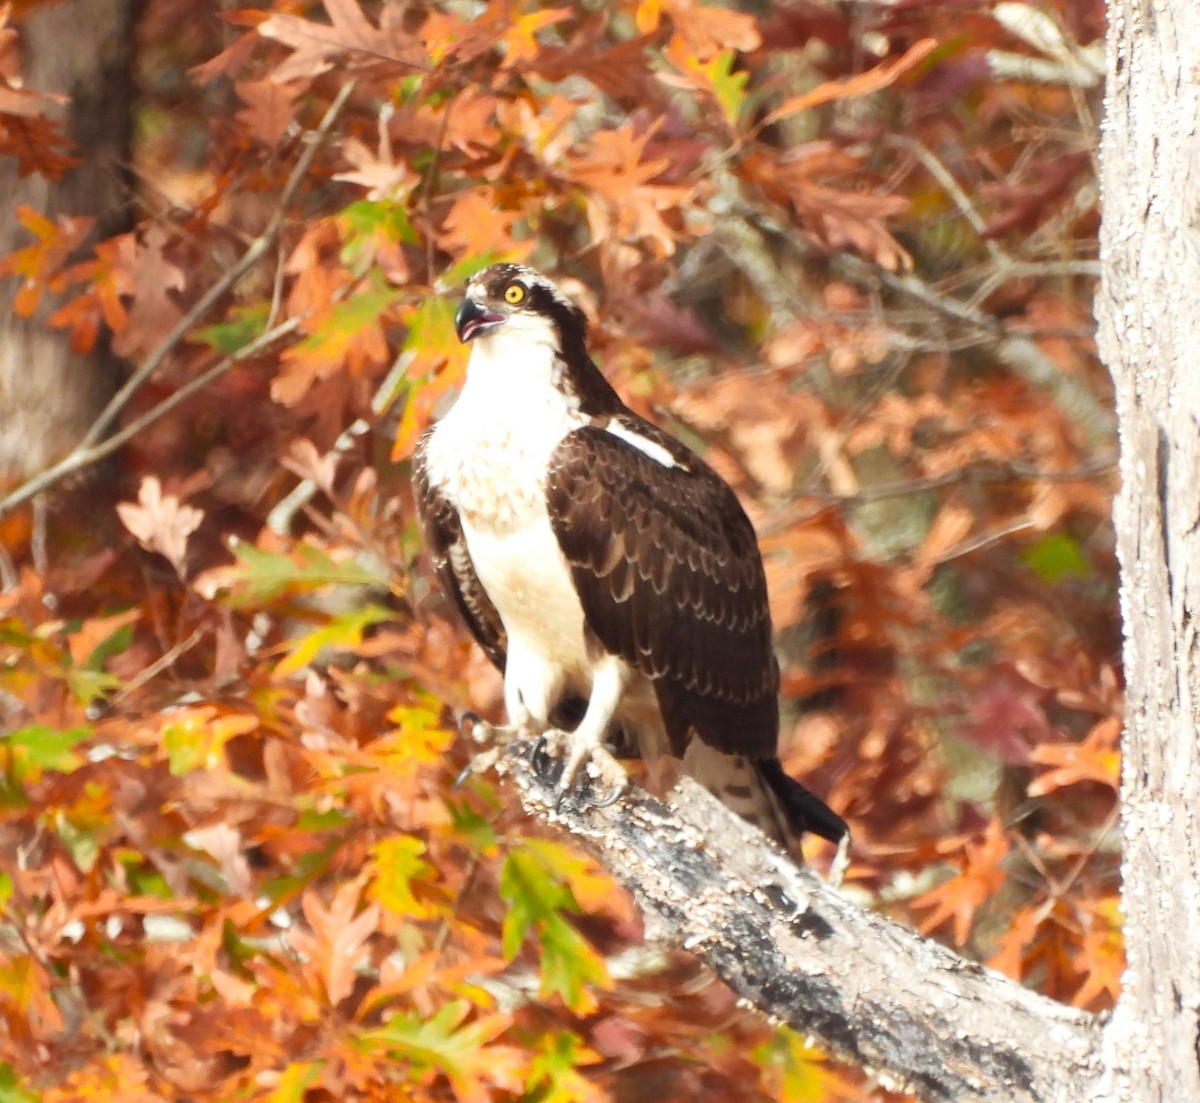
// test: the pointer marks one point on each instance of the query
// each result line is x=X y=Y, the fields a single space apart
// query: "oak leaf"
x=160 y=522
x=979 y=878
x=336 y=946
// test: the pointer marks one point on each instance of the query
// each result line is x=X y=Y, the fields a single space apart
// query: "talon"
x=544 y=762
x=468 y=720
x=840 y=863
x=612 y=798
x=480 y=764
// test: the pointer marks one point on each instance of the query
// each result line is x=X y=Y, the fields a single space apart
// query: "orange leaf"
x=958 y=898
x=861 y=85
x=1095 y=759
x=335 y=946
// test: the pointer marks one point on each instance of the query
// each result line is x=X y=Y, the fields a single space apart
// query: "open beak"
x=472 y=319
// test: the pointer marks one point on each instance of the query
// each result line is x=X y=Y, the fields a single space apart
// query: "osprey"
x=601 y=564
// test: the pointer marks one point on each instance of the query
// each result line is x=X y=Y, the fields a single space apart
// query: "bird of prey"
x=600 y=563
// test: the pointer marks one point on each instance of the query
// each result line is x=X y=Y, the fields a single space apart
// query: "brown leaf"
x=160 y=522
x=335 y=946
x=351 y=40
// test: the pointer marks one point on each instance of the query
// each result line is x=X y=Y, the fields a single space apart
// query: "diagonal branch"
x=95 y=446
x=873 y=992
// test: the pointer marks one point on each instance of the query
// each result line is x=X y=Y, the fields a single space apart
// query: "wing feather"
x=443 y=534
x=670 y=578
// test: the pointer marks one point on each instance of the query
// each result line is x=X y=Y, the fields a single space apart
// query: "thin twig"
x=163 y=662
x=974 y=473
x=93 y=447
x=81 y=457
x=249 y=258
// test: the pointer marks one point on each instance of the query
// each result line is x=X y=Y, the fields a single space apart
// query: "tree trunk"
x=1149 y=316
x=48 y=394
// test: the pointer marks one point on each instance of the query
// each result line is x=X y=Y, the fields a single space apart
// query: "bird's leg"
x=585 y=745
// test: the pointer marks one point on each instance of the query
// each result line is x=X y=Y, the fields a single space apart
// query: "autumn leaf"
x=435 y=364
x=39 y=265
x=152 y=312
x=160 y=522
x=349 y=338
x=339 y=933
x=705 y=29
x=477 y=226
x=860 y=85
x=343 y=632
x=397 y=864
x=194 y=738
x=36 y=142
x=270 y=108
x=520 y=39
x=1096 y=759
x=554 y=1075
x=350 y=38
x=714 y=76
x=980 y=876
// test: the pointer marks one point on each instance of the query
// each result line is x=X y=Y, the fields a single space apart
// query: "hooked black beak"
x=472 y=319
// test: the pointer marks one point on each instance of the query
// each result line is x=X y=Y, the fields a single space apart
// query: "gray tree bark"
x=917 y=1016
x=1149 y=318
x=48 y=394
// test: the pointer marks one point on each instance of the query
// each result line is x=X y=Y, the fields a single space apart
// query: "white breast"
x=490 y=456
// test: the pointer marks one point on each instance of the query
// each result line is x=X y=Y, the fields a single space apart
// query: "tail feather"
x=759 y=791
x=805 y=811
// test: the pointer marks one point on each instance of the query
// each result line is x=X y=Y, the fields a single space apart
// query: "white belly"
x=529 y=582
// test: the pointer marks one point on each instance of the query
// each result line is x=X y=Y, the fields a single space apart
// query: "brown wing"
x=447 y=547
x=670 y=578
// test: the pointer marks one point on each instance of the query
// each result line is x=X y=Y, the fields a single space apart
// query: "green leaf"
x=802 y=1073
x=87 y=685
x=329 y=820
x=368 y=218
x=306 y=869
x=554 y=1075
x=398 y=864
x=728 y=87
x=441 y=1044
x=461 y=271
x=537 y=897
x=1056 y=556
x=46 y=748
x=259 y=577
x=342 y=633
x=11 y=1090
x=244 y=325
x=471 y=825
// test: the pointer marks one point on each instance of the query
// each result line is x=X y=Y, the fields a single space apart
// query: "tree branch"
x=95 y=446
x=873 y=992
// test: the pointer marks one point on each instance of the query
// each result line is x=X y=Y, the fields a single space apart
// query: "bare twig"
x=95 y=446
x=81 y=457
x=974 y=473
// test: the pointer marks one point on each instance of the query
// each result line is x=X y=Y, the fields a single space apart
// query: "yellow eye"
x=514 y=293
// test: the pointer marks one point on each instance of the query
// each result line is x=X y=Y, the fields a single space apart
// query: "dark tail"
x=805 y=811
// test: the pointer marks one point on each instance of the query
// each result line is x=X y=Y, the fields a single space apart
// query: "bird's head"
x=510 y=299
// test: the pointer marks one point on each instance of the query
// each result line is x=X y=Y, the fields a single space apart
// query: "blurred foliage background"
x=845 y=251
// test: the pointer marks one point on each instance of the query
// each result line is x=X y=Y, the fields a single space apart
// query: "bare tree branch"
x=94 y=446
x=871 y=991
